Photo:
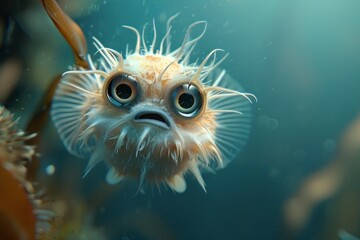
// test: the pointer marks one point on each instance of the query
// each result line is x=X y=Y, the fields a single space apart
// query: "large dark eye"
x=187 y=100
x=122 y=90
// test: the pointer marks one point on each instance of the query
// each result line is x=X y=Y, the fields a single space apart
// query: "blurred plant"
x=21 y=212
x=346 y=236
x=74 y=222
x=338 y=182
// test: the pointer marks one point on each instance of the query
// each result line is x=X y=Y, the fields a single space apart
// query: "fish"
x=152 y=114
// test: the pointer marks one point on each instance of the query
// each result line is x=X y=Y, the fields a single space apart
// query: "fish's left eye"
x=122 y=90
x=187 y=100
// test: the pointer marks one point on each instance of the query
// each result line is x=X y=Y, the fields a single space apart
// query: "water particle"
x=329 y=145
x=272 y=123
x=269 y=123
x=50 y=170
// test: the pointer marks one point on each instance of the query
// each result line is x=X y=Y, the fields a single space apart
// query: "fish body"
x=151 y=115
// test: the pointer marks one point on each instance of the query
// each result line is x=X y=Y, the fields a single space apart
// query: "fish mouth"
x=155 y=117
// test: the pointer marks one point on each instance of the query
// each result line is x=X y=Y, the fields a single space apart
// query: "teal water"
x=302 y=61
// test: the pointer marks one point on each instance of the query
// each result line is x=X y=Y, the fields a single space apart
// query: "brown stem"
x=37 y=124
x=76 y=39
x=69 y=29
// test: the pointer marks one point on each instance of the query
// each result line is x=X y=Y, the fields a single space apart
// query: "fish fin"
x=177 y=183
x=194 y=169
x=97 y=156
x=233 y=128
x=68 y=111
x=113 y=177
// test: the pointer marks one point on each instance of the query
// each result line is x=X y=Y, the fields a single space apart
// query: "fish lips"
x=153 y=116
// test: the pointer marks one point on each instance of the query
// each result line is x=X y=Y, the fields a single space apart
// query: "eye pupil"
x=186 y=100
x=123 y=91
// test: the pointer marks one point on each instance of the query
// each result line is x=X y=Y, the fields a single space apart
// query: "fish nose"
x=153 y=116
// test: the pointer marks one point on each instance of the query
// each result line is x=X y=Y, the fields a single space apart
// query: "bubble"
x=266 y=121
x=50 y=170
x=272 y=123
x=329 y=145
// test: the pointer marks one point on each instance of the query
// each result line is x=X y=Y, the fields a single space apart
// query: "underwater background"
x=298 y=176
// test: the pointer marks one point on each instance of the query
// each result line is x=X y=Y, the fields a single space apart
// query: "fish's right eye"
x=122 y=90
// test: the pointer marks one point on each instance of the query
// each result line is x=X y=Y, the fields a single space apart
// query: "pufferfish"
x=152 y=115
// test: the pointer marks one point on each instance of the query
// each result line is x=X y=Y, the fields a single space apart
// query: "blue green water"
x=302 y=61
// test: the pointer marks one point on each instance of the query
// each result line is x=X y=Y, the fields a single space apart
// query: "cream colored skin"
x=92 y=127
x=161 y=154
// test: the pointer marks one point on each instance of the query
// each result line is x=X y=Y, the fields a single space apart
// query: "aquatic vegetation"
x=12 y=140
x=74 y=221
x=338 y=183
x=152 y=114
x=346 y=236
x=21 y=211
